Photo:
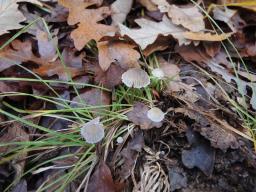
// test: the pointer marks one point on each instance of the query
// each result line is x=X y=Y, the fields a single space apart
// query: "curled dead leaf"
x=119 y=52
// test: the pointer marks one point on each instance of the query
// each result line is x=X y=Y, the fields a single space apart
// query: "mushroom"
x=135 y=77
x=93 y=131
x=158 y=73
x=155 y=114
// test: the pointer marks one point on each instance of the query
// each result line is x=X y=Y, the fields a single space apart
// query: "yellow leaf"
x=206 y=36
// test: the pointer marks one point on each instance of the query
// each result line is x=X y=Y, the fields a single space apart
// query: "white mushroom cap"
x=135 y=77
x=155 y=114
x=119 y=140
x=93 y=131
x=158 y=73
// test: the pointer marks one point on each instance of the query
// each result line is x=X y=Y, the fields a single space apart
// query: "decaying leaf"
x=93 y=131
x=188 y=17
x=118 y=52
x=87 y=20
x=15 y=133
x=46 y=47
x=242 y=85
x=130 y=154
x=120 y=10
x=139 y=117
x=150 y=30
x=135 y=77
x=92 y=97
x=10 y=16
x=64 y=73
x=148 y=4
x=201 y=154
x=218 y=133
x=109 y=78
x=102 y=180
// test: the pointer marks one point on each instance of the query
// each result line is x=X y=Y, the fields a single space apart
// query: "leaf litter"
x=175 y=93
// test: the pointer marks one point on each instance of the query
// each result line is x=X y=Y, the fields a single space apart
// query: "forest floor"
x=140 y=96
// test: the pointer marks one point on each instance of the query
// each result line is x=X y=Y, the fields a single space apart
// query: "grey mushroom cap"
x=155 y=114
x=135 y=77
x=93 y=131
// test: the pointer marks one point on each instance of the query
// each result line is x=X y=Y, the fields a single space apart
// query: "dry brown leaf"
x=10 y=16
x=206 y=36
x=102 y=181
x=148 y=4
x=46 y=46
x=15 y=133
x=247 y=4
x=17 y=53
x=120 y=10
x=109 y=78
x=64 y=73
x=92 y=97
x=117 y=52
x=201 y=53
x=87 y=20
x=150 y=30
x=189 y=17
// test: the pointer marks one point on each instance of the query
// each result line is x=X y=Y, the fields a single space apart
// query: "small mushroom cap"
x=155 y=114
x=158 y=73
x=93 y=131
x=119 y=140
x=135 y=77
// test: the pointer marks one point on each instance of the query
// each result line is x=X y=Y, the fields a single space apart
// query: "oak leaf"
x=10 y=16
x=189 y=17
x=117 y=52
x=150 y=30
x=87 y=21
x=120 y=10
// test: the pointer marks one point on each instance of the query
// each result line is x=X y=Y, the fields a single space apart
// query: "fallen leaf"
x=138 y=116
x=120 y=10
x=19 y=52
x=148 y=4
x=178 y=178
x=230 y=17
x=130 y=154
x=11 y=17
x=189 y=17
x=87 y=20
x=201 y=36
x=46 y=46
x=247 y=4
x=92 y=97
x=21 y=186
x=64 y=73
x=117 y=52
x=109 y=78
x=150 y=30
x=242 y=85
x=200 y=54
x=71 y=59
x=15 y=133
x=201 y=154
x=102 y=180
